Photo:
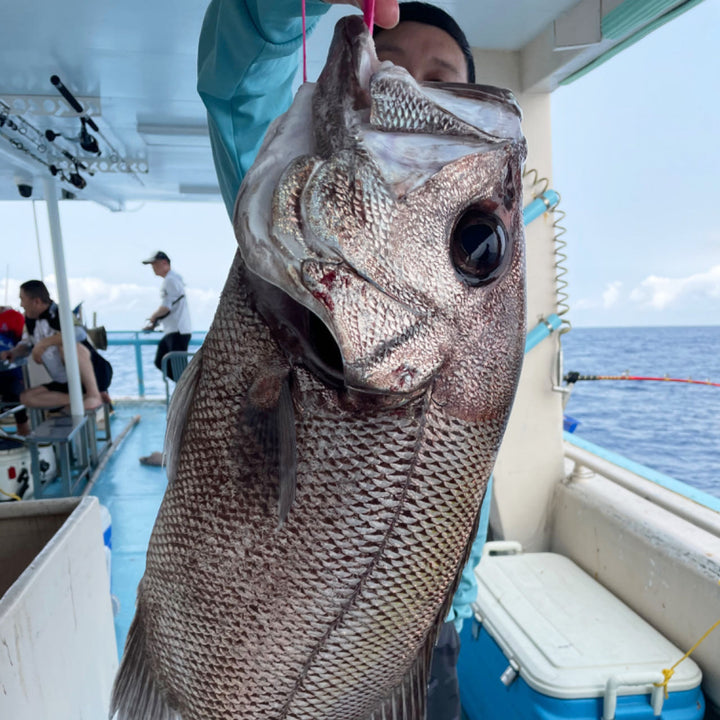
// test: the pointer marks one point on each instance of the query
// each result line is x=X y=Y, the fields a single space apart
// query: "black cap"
x=159 y=255
x=427 y=14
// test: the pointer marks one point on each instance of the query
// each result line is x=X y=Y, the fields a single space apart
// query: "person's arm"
x=172 y=292
x=159 y=314
x=39 y=348
x=19 y=351
x=247 y=59
x=156 y=317
x=248 y=55
x=22 y=349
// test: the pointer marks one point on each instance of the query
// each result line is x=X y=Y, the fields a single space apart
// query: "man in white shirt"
x=174 y=315
x=173 y=312
x=42 y=338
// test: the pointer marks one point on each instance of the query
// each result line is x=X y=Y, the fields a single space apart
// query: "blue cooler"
x=547 y=641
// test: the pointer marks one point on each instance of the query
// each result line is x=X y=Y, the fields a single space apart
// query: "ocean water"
x=671 y=427
x=125 y=379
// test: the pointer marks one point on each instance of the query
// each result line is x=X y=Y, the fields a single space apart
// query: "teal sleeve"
x=248 y=55
x=467 y=588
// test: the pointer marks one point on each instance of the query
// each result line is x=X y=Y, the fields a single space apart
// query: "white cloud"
x=121 y=306
x=660 y=293
x=609 y=298
x=585 y=304
x=611 y=295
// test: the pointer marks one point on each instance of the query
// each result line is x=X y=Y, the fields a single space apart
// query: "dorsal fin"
x=177 y=413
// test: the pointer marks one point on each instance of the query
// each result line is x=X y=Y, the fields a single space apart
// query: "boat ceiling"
x=131 y=65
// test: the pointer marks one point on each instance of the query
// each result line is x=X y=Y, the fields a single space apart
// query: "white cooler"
x=547 y=641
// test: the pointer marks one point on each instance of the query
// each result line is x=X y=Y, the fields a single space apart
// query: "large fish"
x=330 y=445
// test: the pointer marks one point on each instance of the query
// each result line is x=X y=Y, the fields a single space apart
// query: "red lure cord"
x=574 y=377
x=368 y=16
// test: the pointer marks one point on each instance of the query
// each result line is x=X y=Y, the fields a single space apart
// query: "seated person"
x=11 y=381
x=43 y=340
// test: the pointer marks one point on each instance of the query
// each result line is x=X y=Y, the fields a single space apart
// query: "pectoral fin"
x=271 y=415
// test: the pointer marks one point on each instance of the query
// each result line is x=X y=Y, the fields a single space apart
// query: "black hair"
x=36 y=289
x=427 y=14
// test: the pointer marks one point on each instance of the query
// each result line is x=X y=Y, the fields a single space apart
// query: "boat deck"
x=132 y=493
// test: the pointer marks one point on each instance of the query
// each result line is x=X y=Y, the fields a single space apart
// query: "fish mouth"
x=375 y=335
x=381 y=97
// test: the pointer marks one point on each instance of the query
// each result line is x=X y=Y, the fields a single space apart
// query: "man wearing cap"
x=173 y=311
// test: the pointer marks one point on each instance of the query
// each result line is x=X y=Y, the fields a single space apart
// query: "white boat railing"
x=692 y=504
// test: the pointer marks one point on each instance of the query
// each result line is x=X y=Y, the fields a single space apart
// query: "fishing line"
x=37 y=240
x=304 y=43
x=573 y=377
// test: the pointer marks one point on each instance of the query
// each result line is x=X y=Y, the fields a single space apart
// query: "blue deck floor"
x=132 y=493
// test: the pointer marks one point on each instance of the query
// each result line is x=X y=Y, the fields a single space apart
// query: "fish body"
x=331 y=443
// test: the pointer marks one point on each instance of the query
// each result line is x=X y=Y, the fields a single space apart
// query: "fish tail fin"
x=408 y=701
x=178 y=411
x=136 y=695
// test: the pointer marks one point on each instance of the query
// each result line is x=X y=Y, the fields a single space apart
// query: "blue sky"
x=636 y=159
x=636 y=148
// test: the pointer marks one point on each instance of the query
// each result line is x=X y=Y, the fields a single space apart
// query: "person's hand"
x=6 y=355
x=38 y=351
x=151 y=325
x=386 y=11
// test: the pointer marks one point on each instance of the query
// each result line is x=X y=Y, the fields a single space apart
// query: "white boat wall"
x=131 y=66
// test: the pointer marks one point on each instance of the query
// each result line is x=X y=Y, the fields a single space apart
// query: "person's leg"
x=177 y=343
x=162 y=349
x=443 y=698
x=11 y=387
x=183 y=341
x=91 y=394
x=22 y=424
x=103 y=372
x=92 y=399
x=45 y=396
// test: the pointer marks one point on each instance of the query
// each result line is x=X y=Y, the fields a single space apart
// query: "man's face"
x=425 y=51
x=32 y=307
x=160 y=267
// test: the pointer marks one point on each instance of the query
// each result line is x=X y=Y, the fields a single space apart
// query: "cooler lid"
x=568 y=634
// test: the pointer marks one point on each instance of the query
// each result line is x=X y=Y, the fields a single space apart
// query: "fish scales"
x=414 y=465
x=352 y=346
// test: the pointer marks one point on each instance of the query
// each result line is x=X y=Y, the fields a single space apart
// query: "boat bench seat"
x=61 y=432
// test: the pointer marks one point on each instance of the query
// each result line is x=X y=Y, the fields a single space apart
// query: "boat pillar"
x=66 y=320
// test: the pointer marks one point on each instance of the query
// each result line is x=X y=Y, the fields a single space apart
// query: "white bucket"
x=47 y=462
x=16 y=469
x=15 y=475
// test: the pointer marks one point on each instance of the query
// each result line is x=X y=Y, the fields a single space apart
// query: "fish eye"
x=477 y=247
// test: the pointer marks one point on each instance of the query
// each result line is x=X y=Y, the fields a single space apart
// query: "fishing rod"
x=572 y=377
x=87 y=142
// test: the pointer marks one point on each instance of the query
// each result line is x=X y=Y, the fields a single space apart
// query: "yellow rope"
x=10 y=495
x=669 y=672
